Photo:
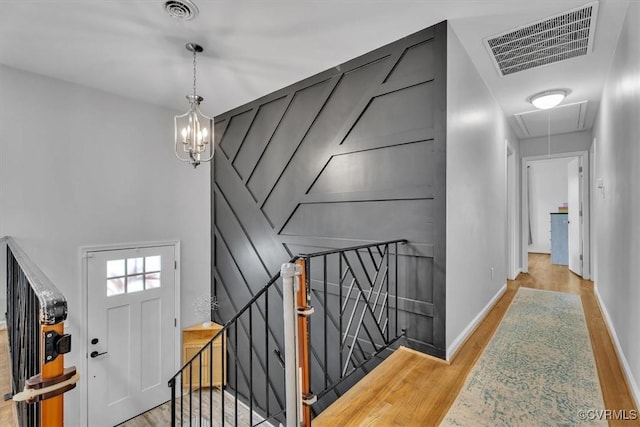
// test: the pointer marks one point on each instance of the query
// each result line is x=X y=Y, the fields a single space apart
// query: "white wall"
x=616 y=216
x=548 y=183
x=563 y=143
x=476 y=194
x=81 y=167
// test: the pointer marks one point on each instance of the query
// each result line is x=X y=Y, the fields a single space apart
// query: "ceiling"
x=251 y=48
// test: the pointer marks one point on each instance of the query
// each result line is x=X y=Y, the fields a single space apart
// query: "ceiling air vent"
x=182 y=10
x=554 y=39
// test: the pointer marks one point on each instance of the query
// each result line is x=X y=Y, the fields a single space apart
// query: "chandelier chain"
x=194 y=74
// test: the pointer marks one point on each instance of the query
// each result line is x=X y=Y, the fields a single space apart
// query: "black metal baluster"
x=307 y=319
x=211 y=378
x=326 y=316
x=172 y=384
x=224 y=370
x=33 y=351
x=200 y=381
x=26 y=357
x=396 y=285
x=181 y=398
x=386 y=251
x=340 y=308
x=266 y=350
x=36 y=334
x=191 y=393
x=251 y=365
x=235 y=351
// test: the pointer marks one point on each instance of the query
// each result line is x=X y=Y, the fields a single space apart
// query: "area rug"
x=537 y=370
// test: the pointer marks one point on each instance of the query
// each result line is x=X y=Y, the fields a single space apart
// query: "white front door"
x=131 y=315
x=575 y=239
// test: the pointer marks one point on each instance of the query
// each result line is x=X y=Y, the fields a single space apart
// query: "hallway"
x=414 y=389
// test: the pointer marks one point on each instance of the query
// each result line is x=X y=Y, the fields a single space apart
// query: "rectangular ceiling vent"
x=553 y=39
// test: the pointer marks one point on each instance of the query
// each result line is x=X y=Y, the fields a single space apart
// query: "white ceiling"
x=132 y=48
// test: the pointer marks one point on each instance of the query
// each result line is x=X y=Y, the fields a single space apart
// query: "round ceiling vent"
x=182 y=10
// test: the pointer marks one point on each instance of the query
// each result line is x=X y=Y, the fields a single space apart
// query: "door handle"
x=95 y=354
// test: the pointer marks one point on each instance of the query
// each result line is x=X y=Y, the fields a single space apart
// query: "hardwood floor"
x=411 y=389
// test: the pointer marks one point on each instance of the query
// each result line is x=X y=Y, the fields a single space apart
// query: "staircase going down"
x=345 y=319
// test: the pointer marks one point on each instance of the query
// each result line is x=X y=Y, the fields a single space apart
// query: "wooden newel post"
x=304 y=310
x=52 y=409
x=54 y=379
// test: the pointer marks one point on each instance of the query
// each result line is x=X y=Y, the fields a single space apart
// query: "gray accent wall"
x=353 y=155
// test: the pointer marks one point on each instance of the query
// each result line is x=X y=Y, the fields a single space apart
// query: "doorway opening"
x=555 y=214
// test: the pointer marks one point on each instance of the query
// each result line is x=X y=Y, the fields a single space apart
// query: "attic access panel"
x=559 y=37
x=562 y=119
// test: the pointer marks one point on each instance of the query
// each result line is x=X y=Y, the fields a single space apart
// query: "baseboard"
x=464 y=335
x=623 y=360
x=425 y=355
x=423 y=347
x=518 y=272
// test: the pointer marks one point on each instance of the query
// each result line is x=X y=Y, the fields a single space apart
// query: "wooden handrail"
x=53 y=305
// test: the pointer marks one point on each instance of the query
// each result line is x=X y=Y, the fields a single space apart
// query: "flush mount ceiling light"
x=193 y=130
x=548 y=99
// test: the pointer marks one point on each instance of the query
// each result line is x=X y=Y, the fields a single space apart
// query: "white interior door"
x=573 y=194
x=131 y=315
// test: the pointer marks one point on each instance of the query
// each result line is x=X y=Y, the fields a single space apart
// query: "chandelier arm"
x=182 y=159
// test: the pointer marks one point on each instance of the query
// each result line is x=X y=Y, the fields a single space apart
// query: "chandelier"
x=194 y=130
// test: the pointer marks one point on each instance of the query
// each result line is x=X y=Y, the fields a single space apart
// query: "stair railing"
x=345 y=304
x=36 y=311
x=354 y=296
x=229 y=368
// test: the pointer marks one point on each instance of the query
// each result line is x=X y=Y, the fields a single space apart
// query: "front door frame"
x=585 y=192
x=83 y=385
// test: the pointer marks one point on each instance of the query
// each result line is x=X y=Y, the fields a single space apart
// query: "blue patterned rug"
x=537 y=370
